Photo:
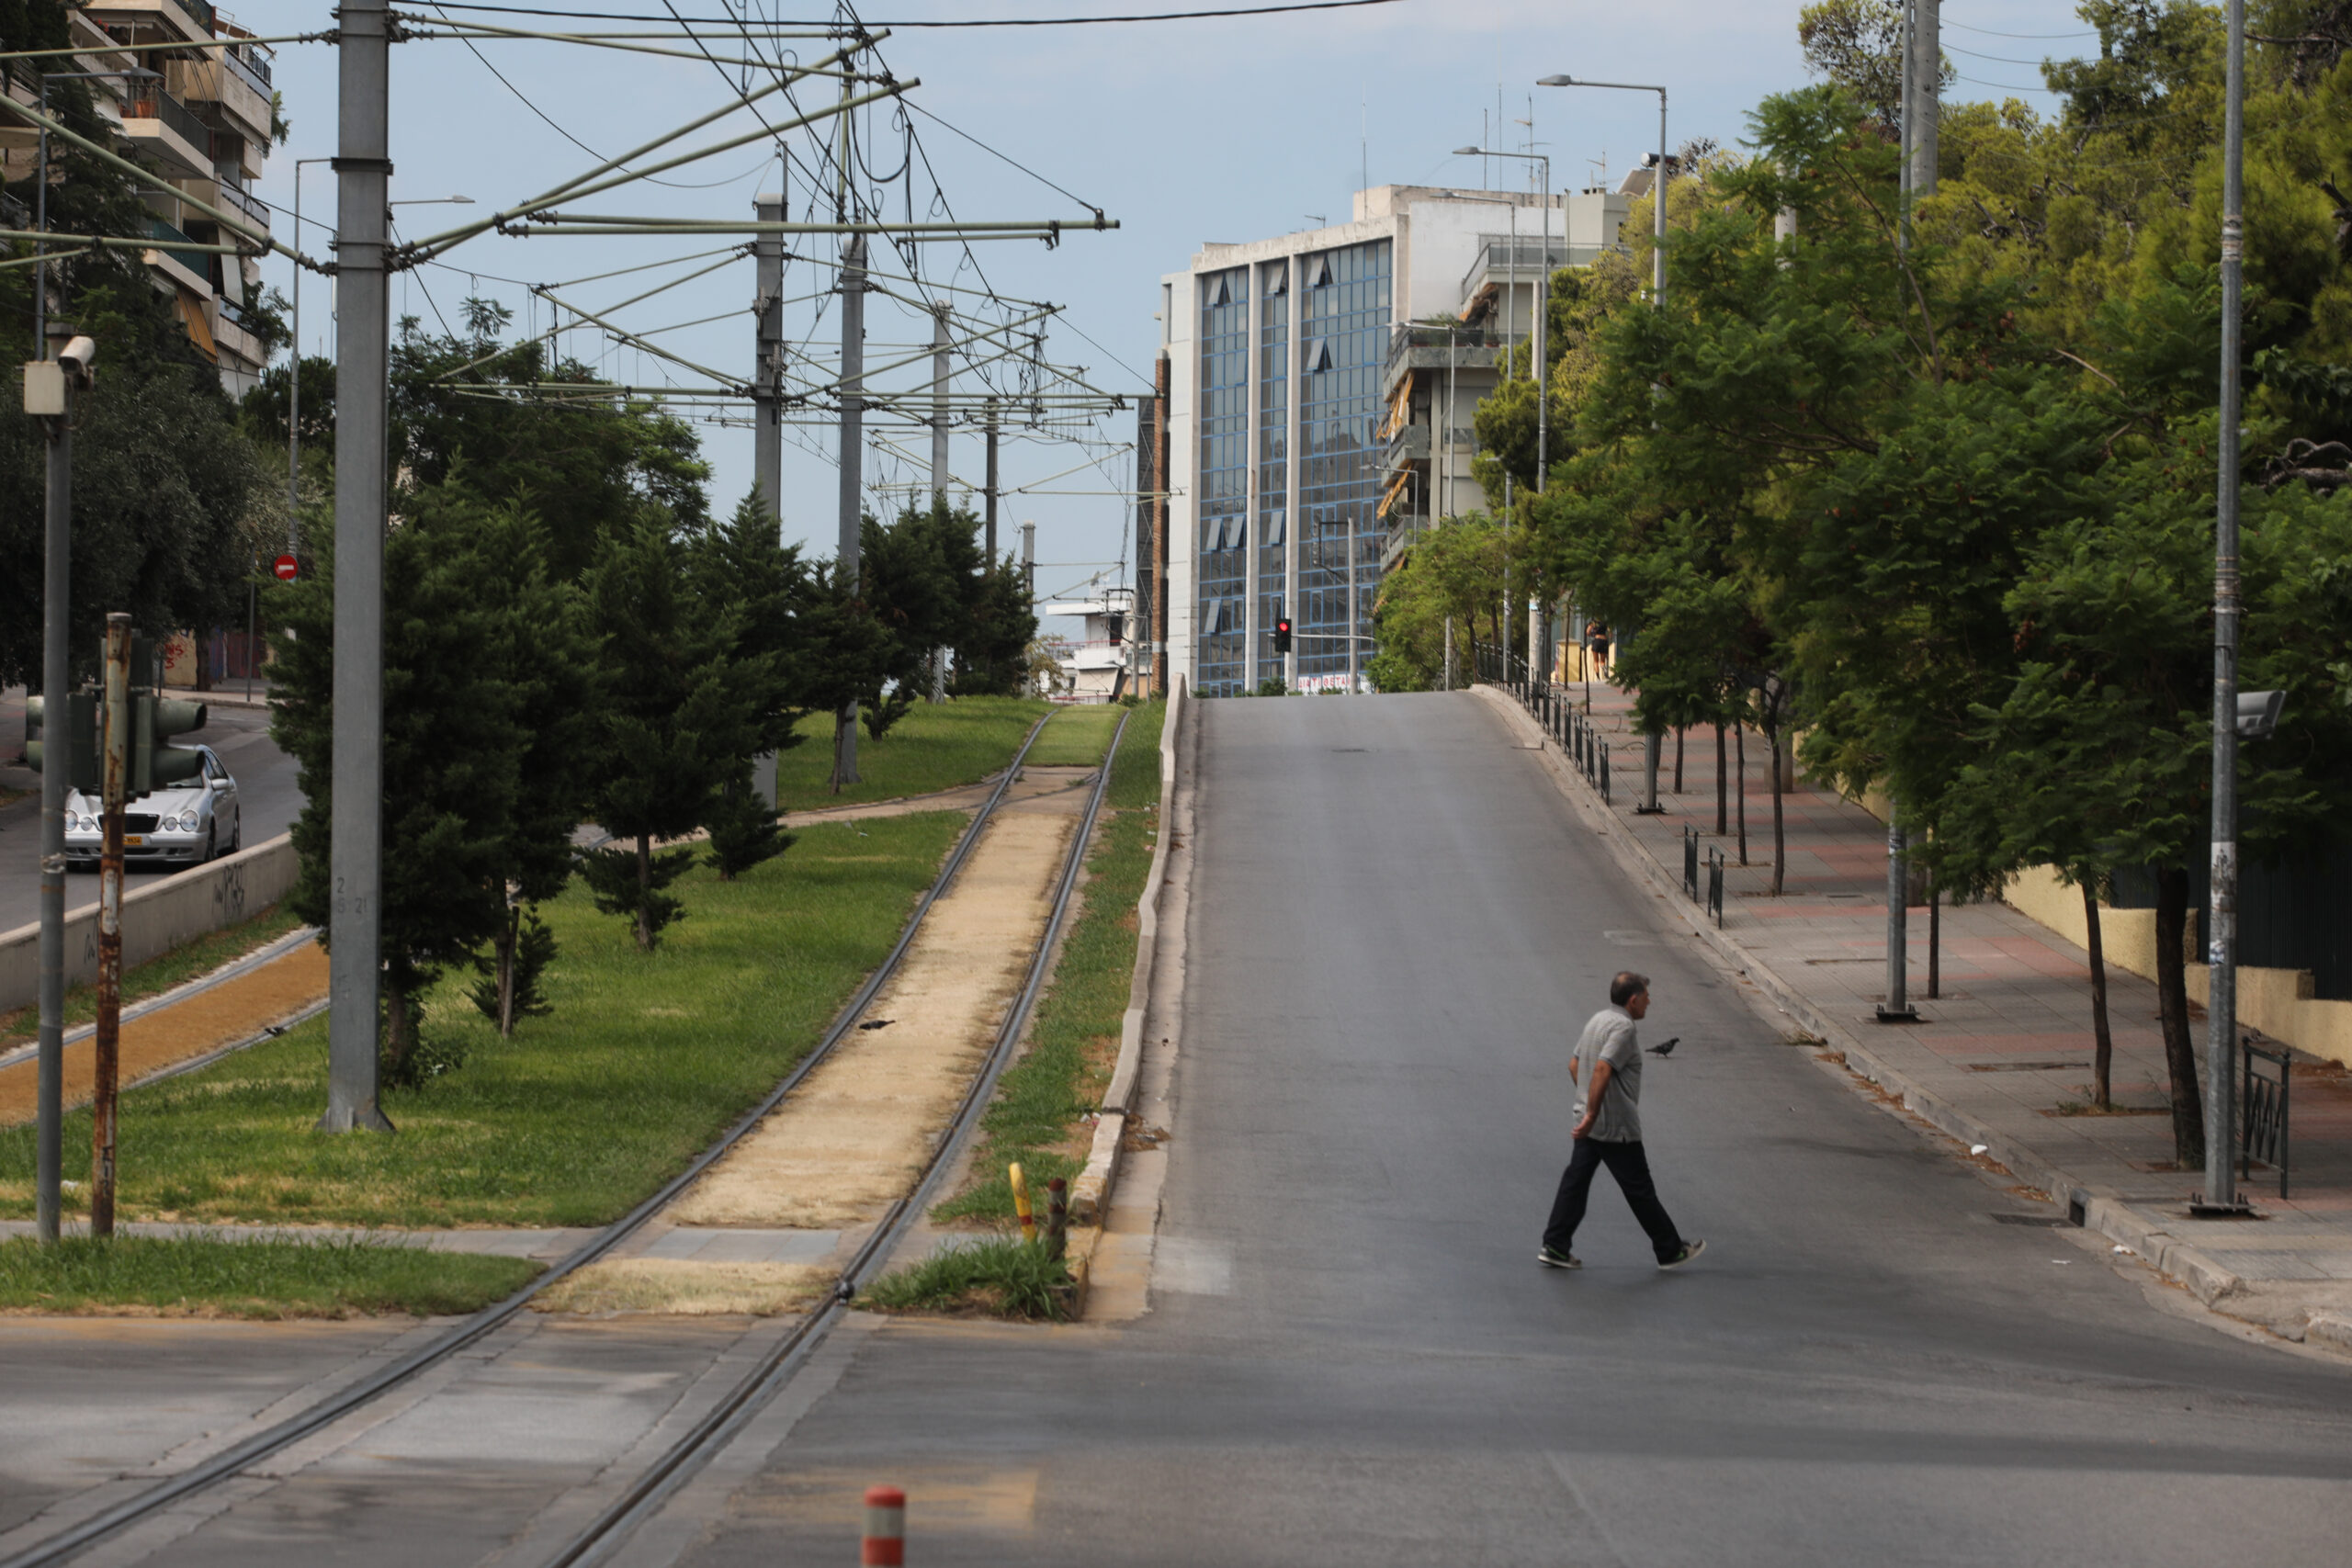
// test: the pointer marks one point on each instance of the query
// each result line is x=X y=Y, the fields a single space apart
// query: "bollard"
x=885 y=1542
x=1021 y=1202
x=1056 y=1217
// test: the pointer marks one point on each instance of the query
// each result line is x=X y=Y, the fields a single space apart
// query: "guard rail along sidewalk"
x=1090 y=1196
x=168 y=912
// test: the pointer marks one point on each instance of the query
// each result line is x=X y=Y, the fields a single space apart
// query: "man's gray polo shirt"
x=1609 y=1037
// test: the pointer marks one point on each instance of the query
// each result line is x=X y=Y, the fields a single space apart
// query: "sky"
x=1230 y=129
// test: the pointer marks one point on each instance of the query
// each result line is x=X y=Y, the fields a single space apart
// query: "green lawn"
x=1036 y=1117
x=934 y=746
x=158 y=974
x=646 y=1058
x=1078 y=735
x=280 y=1277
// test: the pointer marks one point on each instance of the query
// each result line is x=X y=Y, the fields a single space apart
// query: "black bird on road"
x=1667 y=1049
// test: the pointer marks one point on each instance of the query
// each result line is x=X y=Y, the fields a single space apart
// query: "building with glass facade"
x=1281 y=380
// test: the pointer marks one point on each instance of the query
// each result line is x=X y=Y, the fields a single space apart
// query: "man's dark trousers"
x=1631 y=1166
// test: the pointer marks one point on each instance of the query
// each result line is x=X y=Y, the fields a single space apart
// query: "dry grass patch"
x=685 y=1287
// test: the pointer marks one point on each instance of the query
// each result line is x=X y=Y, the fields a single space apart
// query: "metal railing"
x=158 y=104
x=248 y=62
x=168 y=239
x=2263 y=1099
x=234 y=195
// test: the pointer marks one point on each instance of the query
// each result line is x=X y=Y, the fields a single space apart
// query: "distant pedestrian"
x=1607 y=1069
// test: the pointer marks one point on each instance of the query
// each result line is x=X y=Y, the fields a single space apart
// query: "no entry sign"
x=285 y=569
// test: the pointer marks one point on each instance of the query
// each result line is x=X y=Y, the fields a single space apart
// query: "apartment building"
x=202 y=124
x=1317 y=414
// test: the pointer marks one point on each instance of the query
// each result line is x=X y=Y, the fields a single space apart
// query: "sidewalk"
x=2005 y=1050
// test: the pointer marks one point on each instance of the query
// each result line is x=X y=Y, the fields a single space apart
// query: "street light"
x=432 y=200
x=1657 y=303
x=1657 y=265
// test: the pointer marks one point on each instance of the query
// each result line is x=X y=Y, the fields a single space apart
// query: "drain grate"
x=2047 y=1222
x=2028 y=1066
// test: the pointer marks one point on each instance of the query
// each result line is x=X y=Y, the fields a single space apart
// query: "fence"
x=2263 y=1096
x=1552 y=707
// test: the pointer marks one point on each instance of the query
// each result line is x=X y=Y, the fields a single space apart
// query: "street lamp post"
x=1542 y=305
x=1657 y=301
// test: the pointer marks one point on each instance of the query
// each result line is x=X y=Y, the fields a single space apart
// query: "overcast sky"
x=1232 y=129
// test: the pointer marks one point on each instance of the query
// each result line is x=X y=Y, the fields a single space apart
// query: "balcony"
x=161 y=125
x=191 y=19
x=233 y=198
x=191 y=267
x=209 y=80
x=1500 y=260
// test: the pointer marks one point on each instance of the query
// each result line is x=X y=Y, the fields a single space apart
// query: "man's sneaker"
x=1550 y=1260
x=1691 y=1250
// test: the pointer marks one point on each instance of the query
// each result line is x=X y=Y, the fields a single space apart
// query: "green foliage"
x=1003 y=1277
x=510 y=990
x=744 y=829
x=574 y=1121
x=630 y=882
x=1454 y=569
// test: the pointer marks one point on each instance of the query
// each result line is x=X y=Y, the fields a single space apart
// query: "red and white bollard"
x=886 y=1528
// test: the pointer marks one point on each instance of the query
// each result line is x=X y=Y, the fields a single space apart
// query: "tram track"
x=709 y=1433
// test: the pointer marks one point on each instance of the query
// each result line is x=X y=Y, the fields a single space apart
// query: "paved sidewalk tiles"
x=2002 y=1055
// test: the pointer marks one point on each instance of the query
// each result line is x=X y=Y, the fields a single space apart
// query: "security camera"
x=78 y=353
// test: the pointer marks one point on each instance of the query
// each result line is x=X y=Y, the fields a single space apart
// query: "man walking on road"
x=1607 y=1069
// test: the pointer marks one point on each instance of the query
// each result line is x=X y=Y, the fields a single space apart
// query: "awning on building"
x=199 y=330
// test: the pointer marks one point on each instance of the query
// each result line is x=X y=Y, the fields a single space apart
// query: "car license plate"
x=132 y=840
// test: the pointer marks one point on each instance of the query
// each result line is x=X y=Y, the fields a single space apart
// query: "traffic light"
x=81 y=767
x=153 y=720
x=1281 y=635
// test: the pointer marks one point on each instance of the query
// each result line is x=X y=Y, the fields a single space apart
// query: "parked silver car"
x=184 y=824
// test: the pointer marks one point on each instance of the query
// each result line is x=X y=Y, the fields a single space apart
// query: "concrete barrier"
x=158 y=915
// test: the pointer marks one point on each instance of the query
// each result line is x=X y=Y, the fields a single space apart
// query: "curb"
x=1090 y=1195
x=2103 y=1212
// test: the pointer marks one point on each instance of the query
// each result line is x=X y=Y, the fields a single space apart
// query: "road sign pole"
x=114 y=722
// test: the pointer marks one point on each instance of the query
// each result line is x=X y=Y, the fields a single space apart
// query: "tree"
x=1453 y=572
x=452 y=747
x=682 y=703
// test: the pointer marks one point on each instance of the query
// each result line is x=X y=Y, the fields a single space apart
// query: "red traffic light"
x=1281 y=635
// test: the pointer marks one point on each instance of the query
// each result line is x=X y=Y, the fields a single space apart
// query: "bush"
x=1004 y=1277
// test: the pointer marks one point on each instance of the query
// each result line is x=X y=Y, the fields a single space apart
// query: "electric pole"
x=989 y=493
x=1926 y=91
x=767 y=407
x=939 y=464
x=853 y=452
x=355 y=924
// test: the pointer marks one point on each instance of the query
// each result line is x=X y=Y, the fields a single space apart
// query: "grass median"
x=645 y=1060
x=933 y=746
x=1077 y=737
x=276 y=1277
x=1043 y=1102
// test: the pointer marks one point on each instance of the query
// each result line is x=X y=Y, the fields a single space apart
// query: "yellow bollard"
x=1021 y=1203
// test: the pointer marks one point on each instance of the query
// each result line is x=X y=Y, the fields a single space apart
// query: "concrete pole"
x=1449 y=653
x=939 y=403
x=354 y=923
x=1293 y=383
x=852 y=456
x=1907 y=112
x=56 y=769
x=1542 y=310
x=767 y=405
x=767 y=374
x=1355 y=649
x=1926 y=91
x=989 y=495
x=939 y=375
x=1897 y=1005
x=2221 y=953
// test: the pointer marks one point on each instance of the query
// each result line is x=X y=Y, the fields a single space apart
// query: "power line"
x=1989 y=32
x=976 y=22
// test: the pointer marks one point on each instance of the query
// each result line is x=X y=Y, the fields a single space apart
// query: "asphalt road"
x=1397 y=927
x=267 y=795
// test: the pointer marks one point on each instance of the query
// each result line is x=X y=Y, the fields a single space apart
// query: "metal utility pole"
x=56 y=413
x=852 y=453
x=1898 y=1008
x=1029 y=560
x=767 y=367
x=1354 y=648
x=294 y=386
x=355 y=924
x=987 y=498
x=767 y=406
x=2221 y=955
x=105 y=1043
x=939 y=464
x=1908 y=126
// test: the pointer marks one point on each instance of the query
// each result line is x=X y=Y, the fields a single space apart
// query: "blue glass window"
x=1343 y=323
x=1224 y=480
x=1274 y=452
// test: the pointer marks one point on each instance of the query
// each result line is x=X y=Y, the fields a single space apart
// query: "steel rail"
x=694 y=1448
x=228 y=1463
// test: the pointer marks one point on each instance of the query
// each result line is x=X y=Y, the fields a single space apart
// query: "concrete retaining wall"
x=158 y=915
